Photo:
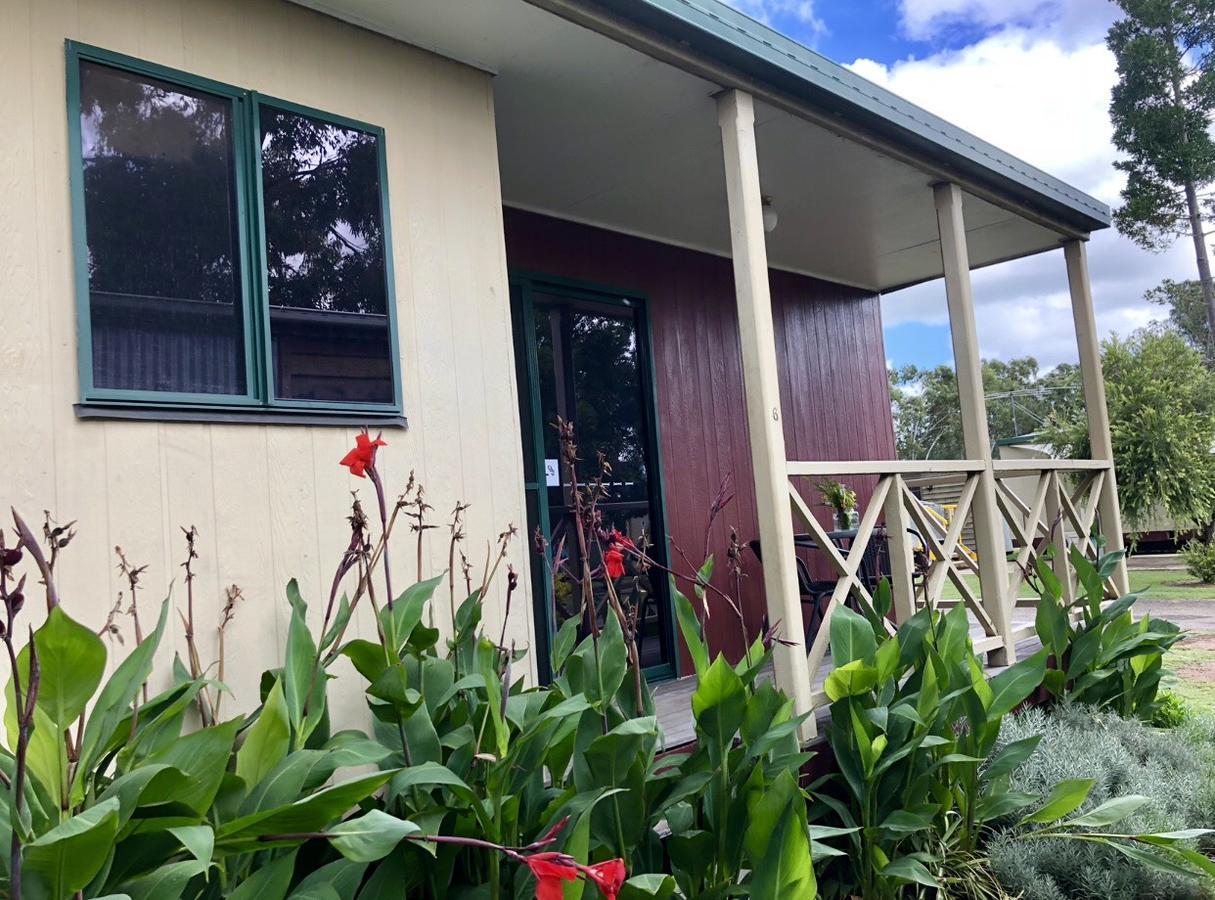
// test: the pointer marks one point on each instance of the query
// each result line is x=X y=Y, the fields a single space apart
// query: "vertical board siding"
x=269 y=501
x=832 y=363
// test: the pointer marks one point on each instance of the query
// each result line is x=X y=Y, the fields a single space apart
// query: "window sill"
x=235 y=416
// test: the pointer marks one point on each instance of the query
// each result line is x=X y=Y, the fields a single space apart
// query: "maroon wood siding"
x=834 y=391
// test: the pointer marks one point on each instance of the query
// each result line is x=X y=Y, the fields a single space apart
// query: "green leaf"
x=563 y=643
x=852 y=637
x=431 y=775
x=1012 y=686
x=72 y=660
x=165 y=883
x=366 y=657
x=270 y=882
x=198 y=840
x=407 y=611
x=338 y=626
x=114 y=702
x=909 y=869
x=1109 y=812
x=371 y=836
x=67 y=857
x=718 y=706
x=300 y=668
x=1157 y=861
x=337 y=880
x=316 y=891
x=655 y=886
x=1011 y=756
x=267 y=740
x=904 y=821
x=850 y=680
x=312 y=813
x=689 y=626
x=202 y=757
x=1051 y=624
x=778 y=843
x=1063 y=800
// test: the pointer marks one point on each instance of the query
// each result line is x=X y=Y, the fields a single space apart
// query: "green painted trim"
x=737 y=41
x=528 y=282
x=80 y=250
x=524 y=330
x=251 y=242
x=251 y=416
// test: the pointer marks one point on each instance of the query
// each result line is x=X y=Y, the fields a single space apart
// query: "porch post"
x=736 y=116
x=1108 y=508
x=989 y=529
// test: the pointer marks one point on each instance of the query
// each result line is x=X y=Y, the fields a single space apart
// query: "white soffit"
x=593 y=131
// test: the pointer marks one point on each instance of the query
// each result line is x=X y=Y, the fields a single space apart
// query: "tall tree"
x=1162 y=420
x=1161 y=110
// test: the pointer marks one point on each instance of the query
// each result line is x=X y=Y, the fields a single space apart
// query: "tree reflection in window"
x=162 y=233
x=324 y=232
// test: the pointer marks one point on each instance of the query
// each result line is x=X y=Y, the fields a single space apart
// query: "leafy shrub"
x=1199 y=558
x=108 y=794
x=1170 y=711
x=1124 y=757
x=576 y=764
x=487 y=788
x=913 y=720
x=1107 y=659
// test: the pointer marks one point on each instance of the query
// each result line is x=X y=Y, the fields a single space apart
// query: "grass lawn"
x=1154 y=584
x=1191 y=673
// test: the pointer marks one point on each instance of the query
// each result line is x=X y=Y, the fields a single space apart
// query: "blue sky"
x=1033 y=77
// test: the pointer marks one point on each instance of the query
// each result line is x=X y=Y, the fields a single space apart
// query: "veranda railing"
x=1039 y=504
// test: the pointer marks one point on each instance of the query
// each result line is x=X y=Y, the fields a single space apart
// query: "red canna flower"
x=608 y=876
x=613 y=559
x=550 y=870
x=362 y=457
x=613 y=563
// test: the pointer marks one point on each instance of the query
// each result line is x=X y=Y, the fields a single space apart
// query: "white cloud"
x=1044 y=100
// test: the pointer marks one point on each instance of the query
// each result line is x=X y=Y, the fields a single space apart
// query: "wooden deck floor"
x=673 y=699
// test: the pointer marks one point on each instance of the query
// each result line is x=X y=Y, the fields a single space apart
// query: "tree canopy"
x=1162 y=110
x=928 y=418
x=1161 y=400
x=1187 y=314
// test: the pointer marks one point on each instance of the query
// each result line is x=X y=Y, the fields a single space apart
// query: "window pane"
x=160 y=211
x=325 y=260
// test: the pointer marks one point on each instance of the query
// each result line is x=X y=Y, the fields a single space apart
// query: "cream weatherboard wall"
x=268 y=500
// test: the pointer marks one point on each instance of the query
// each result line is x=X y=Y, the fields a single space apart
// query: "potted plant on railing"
x=841 y=500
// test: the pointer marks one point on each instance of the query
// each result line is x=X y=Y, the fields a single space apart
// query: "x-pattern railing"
x=909 y=527
x=927 y=551
x=1061 y=513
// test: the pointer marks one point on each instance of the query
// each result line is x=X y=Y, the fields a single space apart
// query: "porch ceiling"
x=594 y=131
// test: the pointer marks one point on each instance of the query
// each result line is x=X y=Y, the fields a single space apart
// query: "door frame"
x=523 y=284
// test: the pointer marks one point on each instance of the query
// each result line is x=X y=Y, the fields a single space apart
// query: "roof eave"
x=712 y=29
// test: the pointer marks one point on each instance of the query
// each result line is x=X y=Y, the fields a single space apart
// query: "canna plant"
x=106 y=793
x=914 y=723
x=736 y=813
x=923 y=777
x=1100 y=655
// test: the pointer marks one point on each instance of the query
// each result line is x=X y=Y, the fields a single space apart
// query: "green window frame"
x=258 y=403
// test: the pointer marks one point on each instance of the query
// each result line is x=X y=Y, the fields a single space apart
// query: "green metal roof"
x=722 y=33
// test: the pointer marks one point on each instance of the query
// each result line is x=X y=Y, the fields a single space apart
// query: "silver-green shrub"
x=1176 y=768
